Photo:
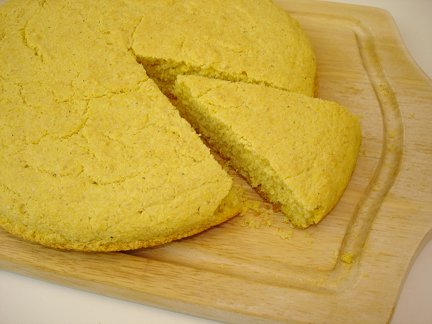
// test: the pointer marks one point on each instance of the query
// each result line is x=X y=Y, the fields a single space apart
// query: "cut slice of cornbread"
x=298 y=151
x=240 y=40
x=93 y=156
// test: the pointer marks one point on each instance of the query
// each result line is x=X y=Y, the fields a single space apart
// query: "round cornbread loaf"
x=93 y=156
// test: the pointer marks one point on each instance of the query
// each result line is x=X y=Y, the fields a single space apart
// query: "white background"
x=25 y=300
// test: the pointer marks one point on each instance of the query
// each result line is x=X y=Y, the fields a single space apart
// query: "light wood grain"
x=238 y=273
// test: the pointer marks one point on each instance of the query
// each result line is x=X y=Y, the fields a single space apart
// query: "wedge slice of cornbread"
x=298 y=151
x=93 y=156
x=240 y=40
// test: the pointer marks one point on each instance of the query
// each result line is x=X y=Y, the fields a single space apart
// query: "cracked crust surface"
x=241 y=40
x=93 y=156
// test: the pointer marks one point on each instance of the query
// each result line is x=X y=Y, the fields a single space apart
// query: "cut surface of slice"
x=298 y=151
x=241 y=40
x=93 y=156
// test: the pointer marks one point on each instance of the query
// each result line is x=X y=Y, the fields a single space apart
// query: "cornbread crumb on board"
x=300 y=152
x=255 y=214
x=258 y=214
x=347 y=258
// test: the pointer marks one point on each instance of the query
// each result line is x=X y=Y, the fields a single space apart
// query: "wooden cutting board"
x=256 y=268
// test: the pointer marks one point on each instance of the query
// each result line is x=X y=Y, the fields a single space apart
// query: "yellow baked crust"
x=93 y=156
x=299 y=151
x=230 y=206
x=237 y=40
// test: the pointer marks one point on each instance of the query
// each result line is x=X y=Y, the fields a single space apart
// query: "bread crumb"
x=255 y=214
x=285 y=233
x=347 y=258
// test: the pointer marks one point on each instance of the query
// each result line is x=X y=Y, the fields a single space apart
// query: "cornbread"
x=241 y=40
x=93 y=156
x=298 y=151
